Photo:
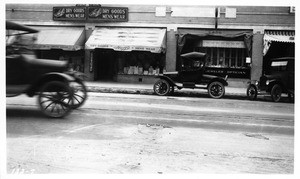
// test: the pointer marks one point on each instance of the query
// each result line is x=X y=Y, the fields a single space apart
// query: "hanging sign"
x=69 y=13
x=91 y=13
x=119 y=14
x=223 y=44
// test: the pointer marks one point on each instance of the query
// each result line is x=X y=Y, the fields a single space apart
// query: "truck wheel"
x=276 y=93
x=251 y=92
x=55 y=99
x=79 y=93
x=291 y=97
x=161 y=87
x=216 y=90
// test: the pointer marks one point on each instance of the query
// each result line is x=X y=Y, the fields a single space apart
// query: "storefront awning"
x=65 y=38
x=277 y=36
x=280 y=36
x=214 y=38
x=128 y=39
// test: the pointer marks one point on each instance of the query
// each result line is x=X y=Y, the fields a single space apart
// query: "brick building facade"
x=238 y=39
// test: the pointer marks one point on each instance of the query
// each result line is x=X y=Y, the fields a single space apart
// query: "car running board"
x=15 y=90
x=191 y=85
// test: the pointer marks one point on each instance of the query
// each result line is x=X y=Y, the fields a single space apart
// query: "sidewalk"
x=147 y=89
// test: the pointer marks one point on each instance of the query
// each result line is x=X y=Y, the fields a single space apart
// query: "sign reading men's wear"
x=108 y=13
x=69 y=13
x=91 y=13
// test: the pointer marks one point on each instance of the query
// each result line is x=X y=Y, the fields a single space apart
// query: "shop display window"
x=75 y=58
x=224 y=57
x=140 y=63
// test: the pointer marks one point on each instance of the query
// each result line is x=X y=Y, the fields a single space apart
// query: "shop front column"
x=257 y=56
x=171 y=51
x=89 y=62
x=89 y=65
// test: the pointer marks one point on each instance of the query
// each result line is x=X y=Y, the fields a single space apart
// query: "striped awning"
x=128 y=39
x=280 y=36
x=65 y=38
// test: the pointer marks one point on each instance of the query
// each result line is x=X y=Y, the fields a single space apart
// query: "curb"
x=118 y=90
x=150 y=92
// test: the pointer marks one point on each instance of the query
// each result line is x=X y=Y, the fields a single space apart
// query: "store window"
x=75 y=58
x=224 y=57
x=140 y=63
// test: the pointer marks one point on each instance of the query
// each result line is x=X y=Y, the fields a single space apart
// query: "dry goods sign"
x=92 y=13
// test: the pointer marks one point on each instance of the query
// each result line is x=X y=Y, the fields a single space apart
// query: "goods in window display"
x=135 y=70
x=140 y=70
x=154 y=72
x=146 y=72
x=157 y=71
x=150 y=70
x=141 y=63
x=126 y=69
x=130 y=71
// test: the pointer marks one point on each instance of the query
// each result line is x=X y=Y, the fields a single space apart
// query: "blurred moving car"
x=58 y=90
x=279 y=78
x=191 y=75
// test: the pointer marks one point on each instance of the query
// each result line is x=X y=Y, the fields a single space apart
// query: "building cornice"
x=174 y=27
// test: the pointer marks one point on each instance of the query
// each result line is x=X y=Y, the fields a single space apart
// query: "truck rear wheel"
x=161 y=87
x=216 y=90
x=55 y=99
x=276 y=93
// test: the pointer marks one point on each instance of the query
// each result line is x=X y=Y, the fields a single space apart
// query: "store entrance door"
x=105 y=64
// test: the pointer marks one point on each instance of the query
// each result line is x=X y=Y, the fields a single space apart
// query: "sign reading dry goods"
x=108 y=13
x=93 y=13
x=69 y=13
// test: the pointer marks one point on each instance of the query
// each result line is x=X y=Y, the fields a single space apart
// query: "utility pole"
x=216 y=17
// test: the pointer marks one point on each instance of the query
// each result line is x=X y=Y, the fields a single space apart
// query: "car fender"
x=211 y=78
x=219 y=79
x=52 y=76
x=172 y=83
x=77 y=74
x=254 y=83
x=274 y=82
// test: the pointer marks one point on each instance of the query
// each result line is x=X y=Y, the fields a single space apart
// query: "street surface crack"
x=258 y=136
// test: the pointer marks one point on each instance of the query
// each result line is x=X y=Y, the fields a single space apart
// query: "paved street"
x=130 y=133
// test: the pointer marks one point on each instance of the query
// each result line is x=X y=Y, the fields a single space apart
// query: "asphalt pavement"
x=149 y=134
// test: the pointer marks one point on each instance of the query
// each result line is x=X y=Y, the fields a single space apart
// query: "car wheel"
x=79 y=93
x=291 y=97
x=161 y=87
x=55 y=99
x=251 y=92
x=276 y=93
x=216 y=89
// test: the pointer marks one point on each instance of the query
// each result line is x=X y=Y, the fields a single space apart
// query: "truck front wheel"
x=251 y=92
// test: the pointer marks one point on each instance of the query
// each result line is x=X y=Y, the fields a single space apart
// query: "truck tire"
x=216 y=90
